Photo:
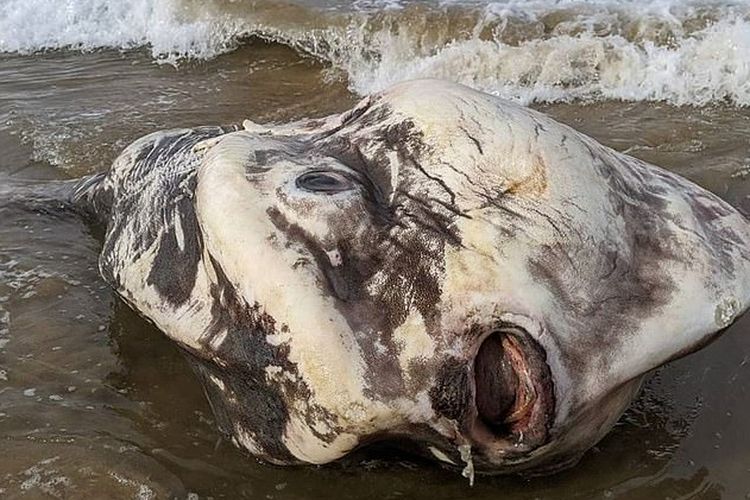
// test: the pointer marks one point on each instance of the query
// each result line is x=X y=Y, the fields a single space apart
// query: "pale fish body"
x=436 y=266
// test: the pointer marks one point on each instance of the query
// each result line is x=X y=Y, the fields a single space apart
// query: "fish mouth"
x=512 y=404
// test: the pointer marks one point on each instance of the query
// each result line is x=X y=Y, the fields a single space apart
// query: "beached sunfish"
x=436 y=267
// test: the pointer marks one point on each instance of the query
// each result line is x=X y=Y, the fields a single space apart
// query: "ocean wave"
x=172 y=29
x=530 y=51
x=711 y=66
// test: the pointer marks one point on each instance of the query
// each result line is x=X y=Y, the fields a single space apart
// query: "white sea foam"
x=170 y=28
x=684 y=52
x=712 y=65
x=4 y=328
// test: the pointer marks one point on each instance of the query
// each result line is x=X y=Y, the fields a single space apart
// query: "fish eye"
x=319 y=181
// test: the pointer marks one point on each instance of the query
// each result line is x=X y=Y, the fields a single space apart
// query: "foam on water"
x=4 y=329
x=694 y=52
x=711 y=66
x=171 y=28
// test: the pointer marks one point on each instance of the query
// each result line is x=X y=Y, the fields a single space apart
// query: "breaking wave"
x=537 y=50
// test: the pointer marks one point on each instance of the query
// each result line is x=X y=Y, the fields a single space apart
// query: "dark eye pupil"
x=324 y=182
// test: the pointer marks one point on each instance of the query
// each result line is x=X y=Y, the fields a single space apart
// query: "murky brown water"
x=95 y=403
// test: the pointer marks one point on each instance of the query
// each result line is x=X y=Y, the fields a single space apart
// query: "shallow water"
x=95 y=402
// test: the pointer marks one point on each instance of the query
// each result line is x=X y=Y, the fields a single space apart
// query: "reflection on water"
x=94 y=401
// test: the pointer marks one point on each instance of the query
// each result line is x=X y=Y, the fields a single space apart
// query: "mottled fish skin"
x=331 y=280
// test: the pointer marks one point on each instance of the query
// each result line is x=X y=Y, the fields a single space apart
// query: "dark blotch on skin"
x=450 y=397
x=249 y=399
x=174 y=270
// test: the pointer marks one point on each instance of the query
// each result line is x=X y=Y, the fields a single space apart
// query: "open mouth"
x=513 y=394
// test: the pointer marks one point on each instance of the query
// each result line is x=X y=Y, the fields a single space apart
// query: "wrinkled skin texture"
x=436 y=266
